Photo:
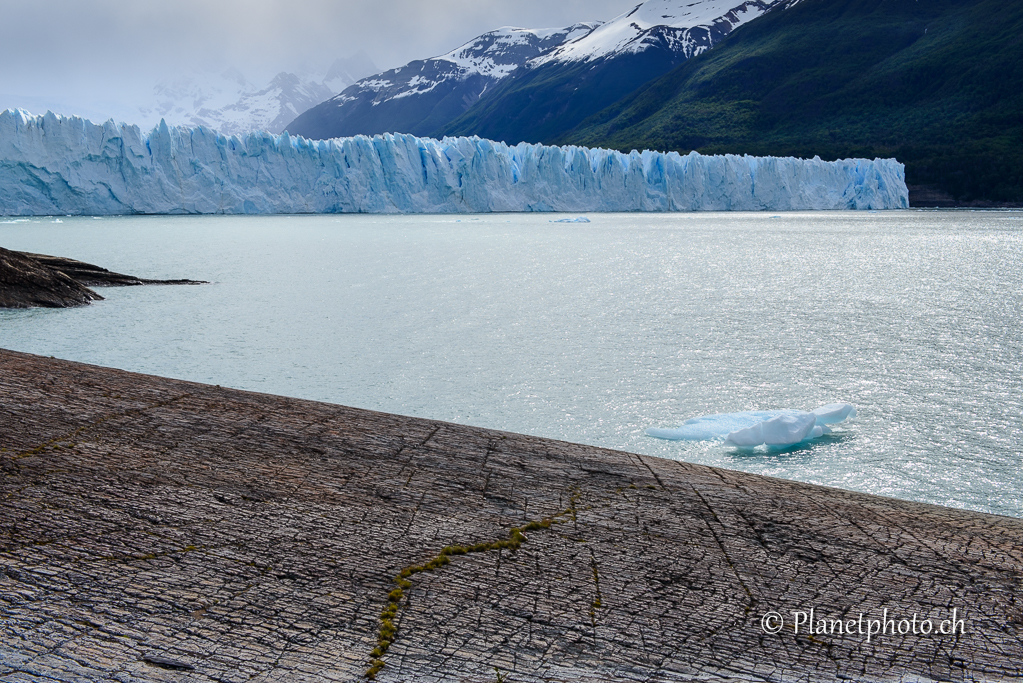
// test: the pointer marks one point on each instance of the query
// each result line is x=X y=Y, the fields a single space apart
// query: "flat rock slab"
x=159 y=530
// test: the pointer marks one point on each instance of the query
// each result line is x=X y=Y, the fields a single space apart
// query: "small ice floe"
x=778 y=428
x=58 y=221
x=580 y=219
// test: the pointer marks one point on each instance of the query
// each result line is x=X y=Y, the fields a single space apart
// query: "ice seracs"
x=54 y=165
x=749 y=429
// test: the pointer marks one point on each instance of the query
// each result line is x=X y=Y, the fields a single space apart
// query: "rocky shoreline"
x=36 y=280
x=160 y=530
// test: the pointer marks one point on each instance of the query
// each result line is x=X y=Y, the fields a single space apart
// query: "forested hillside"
x=937 y=84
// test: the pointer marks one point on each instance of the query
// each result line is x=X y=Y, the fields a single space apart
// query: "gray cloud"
x=106 y=49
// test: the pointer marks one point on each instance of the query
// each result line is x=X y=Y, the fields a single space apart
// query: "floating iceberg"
x=783 y=430
x=580 y=219
x=749 y=429
x=55 y=165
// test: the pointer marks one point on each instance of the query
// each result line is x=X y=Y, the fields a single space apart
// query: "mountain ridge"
x=424 y=95
x=554 y=93
x=571 y=73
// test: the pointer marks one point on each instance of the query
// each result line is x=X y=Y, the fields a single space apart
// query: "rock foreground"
x=160 y=530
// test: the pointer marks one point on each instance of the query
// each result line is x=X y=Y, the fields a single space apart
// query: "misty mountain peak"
x=351 y=69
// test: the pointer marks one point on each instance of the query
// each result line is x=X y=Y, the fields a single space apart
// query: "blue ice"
x=54 y=165
x=760 y=427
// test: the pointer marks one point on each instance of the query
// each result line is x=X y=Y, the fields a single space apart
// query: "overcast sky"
x=107 y=48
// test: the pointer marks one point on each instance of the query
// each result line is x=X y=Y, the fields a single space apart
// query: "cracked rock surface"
x=160 y=530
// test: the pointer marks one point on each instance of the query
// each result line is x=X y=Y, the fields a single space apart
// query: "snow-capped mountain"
x=681 y=26
x=556 y=91
x=531 y=85
x=497 y=53
x=425 y=95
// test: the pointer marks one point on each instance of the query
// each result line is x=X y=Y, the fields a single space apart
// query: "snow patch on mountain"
x=680 y=25
x=54 y=165
x=492 y=56
x=497 y=53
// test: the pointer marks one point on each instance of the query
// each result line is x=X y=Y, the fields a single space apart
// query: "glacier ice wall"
x=52 y=165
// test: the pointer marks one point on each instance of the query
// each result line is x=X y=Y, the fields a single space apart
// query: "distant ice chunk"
x=580 y=219
x=753 y=428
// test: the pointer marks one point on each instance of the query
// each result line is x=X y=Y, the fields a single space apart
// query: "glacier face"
x=54 y=165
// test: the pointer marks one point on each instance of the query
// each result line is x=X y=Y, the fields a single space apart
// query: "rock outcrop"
x=30 y=280
x=94 y=276
x=26 y=283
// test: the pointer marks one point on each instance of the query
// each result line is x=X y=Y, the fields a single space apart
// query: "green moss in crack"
x=403 y=580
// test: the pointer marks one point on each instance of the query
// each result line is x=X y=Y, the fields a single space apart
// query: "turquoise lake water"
x=592 y=332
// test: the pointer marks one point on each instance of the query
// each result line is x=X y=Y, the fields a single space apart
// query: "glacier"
x=57 y=165
x=752 y=428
